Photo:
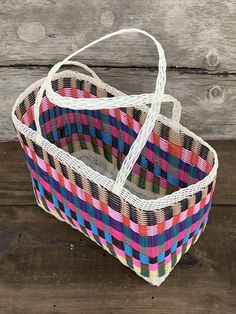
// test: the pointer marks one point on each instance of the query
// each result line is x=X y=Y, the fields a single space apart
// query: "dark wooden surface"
x=47 y=267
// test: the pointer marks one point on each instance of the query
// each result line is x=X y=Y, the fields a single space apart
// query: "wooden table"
x=47 y=267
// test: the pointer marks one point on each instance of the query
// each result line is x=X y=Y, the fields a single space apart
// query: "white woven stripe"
x=80 y=167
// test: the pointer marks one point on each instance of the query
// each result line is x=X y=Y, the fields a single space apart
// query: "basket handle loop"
x=119 y=101
x=39 y=96
x=75 y=103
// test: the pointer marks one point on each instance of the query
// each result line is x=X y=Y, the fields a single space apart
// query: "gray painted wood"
x=209 y=101
x=194 y=34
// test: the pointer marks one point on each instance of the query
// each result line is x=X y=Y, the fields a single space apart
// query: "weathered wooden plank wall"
x=198 y=38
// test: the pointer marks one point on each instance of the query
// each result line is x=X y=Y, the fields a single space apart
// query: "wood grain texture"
x=15 y=180
x=194 y=34
x=209 y=101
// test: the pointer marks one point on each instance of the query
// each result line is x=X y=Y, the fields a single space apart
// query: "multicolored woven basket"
x=110 y=165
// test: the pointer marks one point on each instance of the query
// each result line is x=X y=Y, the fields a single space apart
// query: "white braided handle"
x=155 y=99
x=71 y=103
x=39 y=96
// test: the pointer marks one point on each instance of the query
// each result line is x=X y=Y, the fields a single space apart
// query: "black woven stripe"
x=87 y=224
x=188 y=142
x=50 y=138
x=94 y=189
x=118 y=243
x=204 y=152
x=184 y=204
x=167 y=252
x=31 y=98
x=132 y=213
x=22 y=109
x=23 y=138
x=64 y=171
x=55 y=85
x=93 y=90
x=165 y=131
x=163 y=174
x=114 y=141
x=73 y=215
x=61 y=206
x=142 y=178
x=150 y=218
x=114 y=201
x=80 y=84
x=209 y=188
x=168 y=212
x=66 y=82
x=78 y=180
x=38 y=150
x=152 y=260
x=35 y=194
x=61 y=131
x=198 y=197
x=101 y=233
x=123 y=110
x=150 y=166
x=135 y=254
x=59 y=213
x=51 y=161
x=110 y=95
x=137 y=114
x=48 y=196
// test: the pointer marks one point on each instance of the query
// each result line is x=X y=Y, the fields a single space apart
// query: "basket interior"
x=170 y=160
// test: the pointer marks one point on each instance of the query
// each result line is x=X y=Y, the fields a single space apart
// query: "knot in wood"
x=216 y=94
x=213 y=58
